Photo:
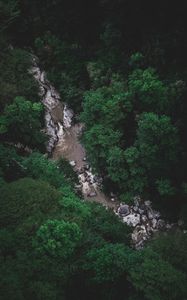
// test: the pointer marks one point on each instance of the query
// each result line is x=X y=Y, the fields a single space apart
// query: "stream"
x=64 y=141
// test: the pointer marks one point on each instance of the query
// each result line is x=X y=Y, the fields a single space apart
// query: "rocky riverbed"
x=145 y=220
x=64 y=141
x=53 y=106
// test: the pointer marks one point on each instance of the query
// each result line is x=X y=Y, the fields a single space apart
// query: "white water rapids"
x=63 y=141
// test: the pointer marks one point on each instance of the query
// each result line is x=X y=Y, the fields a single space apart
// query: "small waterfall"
x=54 y=114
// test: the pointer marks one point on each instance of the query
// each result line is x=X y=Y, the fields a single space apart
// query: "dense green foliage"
x=20 y=122
x=121 y=65
x=15 y=79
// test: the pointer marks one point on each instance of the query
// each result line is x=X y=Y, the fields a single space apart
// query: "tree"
x=108 y=225
x=57 y=238
x=107 y=264
x=10 y=164
x=9 y=11
x=156 y=278
x=107 y=105
x=158 y=143
x=165 y=187
x=117 y=166
x=98 y=141
x=26 y=202
x=21 y=122
x=15 y=80
x=39 y=167
x=154 y=155
x=73 y=208
x=149 y=93
x=172 y=247
x=137 y=180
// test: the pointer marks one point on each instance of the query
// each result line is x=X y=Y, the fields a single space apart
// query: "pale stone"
x=92 y=194
x=132 y=220
x=72 y=163
x=154 y=223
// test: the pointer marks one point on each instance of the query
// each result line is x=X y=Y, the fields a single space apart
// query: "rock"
x=139 y=236
x=82 y=178
x=135 y=208
x=92 y=194
x=132 y=219
x=147 y=203
x=60 y=130
x=139 y=246
x=144 y=218
x=141 y=211
x=112 y=194
x=49 y=101
x=157 y=215
x=68 y=116
x=72 y=163
x=123 y=210
x=79 y=171
x=137 y=201
x=150 y=215
x=149 y=229
x=94 y=179
x=78 y=186
x=160 y=223
x=168 y=226
x=86 y=188
x=154 y=223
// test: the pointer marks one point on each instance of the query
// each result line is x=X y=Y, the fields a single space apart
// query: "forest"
x=121 y=67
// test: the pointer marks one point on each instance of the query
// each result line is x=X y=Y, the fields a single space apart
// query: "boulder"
x=82 y=178
x=144 y=218
x=141 y=211
x=168 y=226
x=72 y=163
x=150 y=215
x=132 y=219
x=147 y=203
x=135 y=208
x=86 y=188
x=154 y=223
x=123 y=210
x=149 y=229
x=160 y=223
x=139 y=236
x=137 y=201
x=157 y=214
x=92 y=194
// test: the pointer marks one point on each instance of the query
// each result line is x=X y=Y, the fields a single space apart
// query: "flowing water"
x=70 y=147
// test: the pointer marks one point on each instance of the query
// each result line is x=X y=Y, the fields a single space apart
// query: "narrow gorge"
x=64 y=141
